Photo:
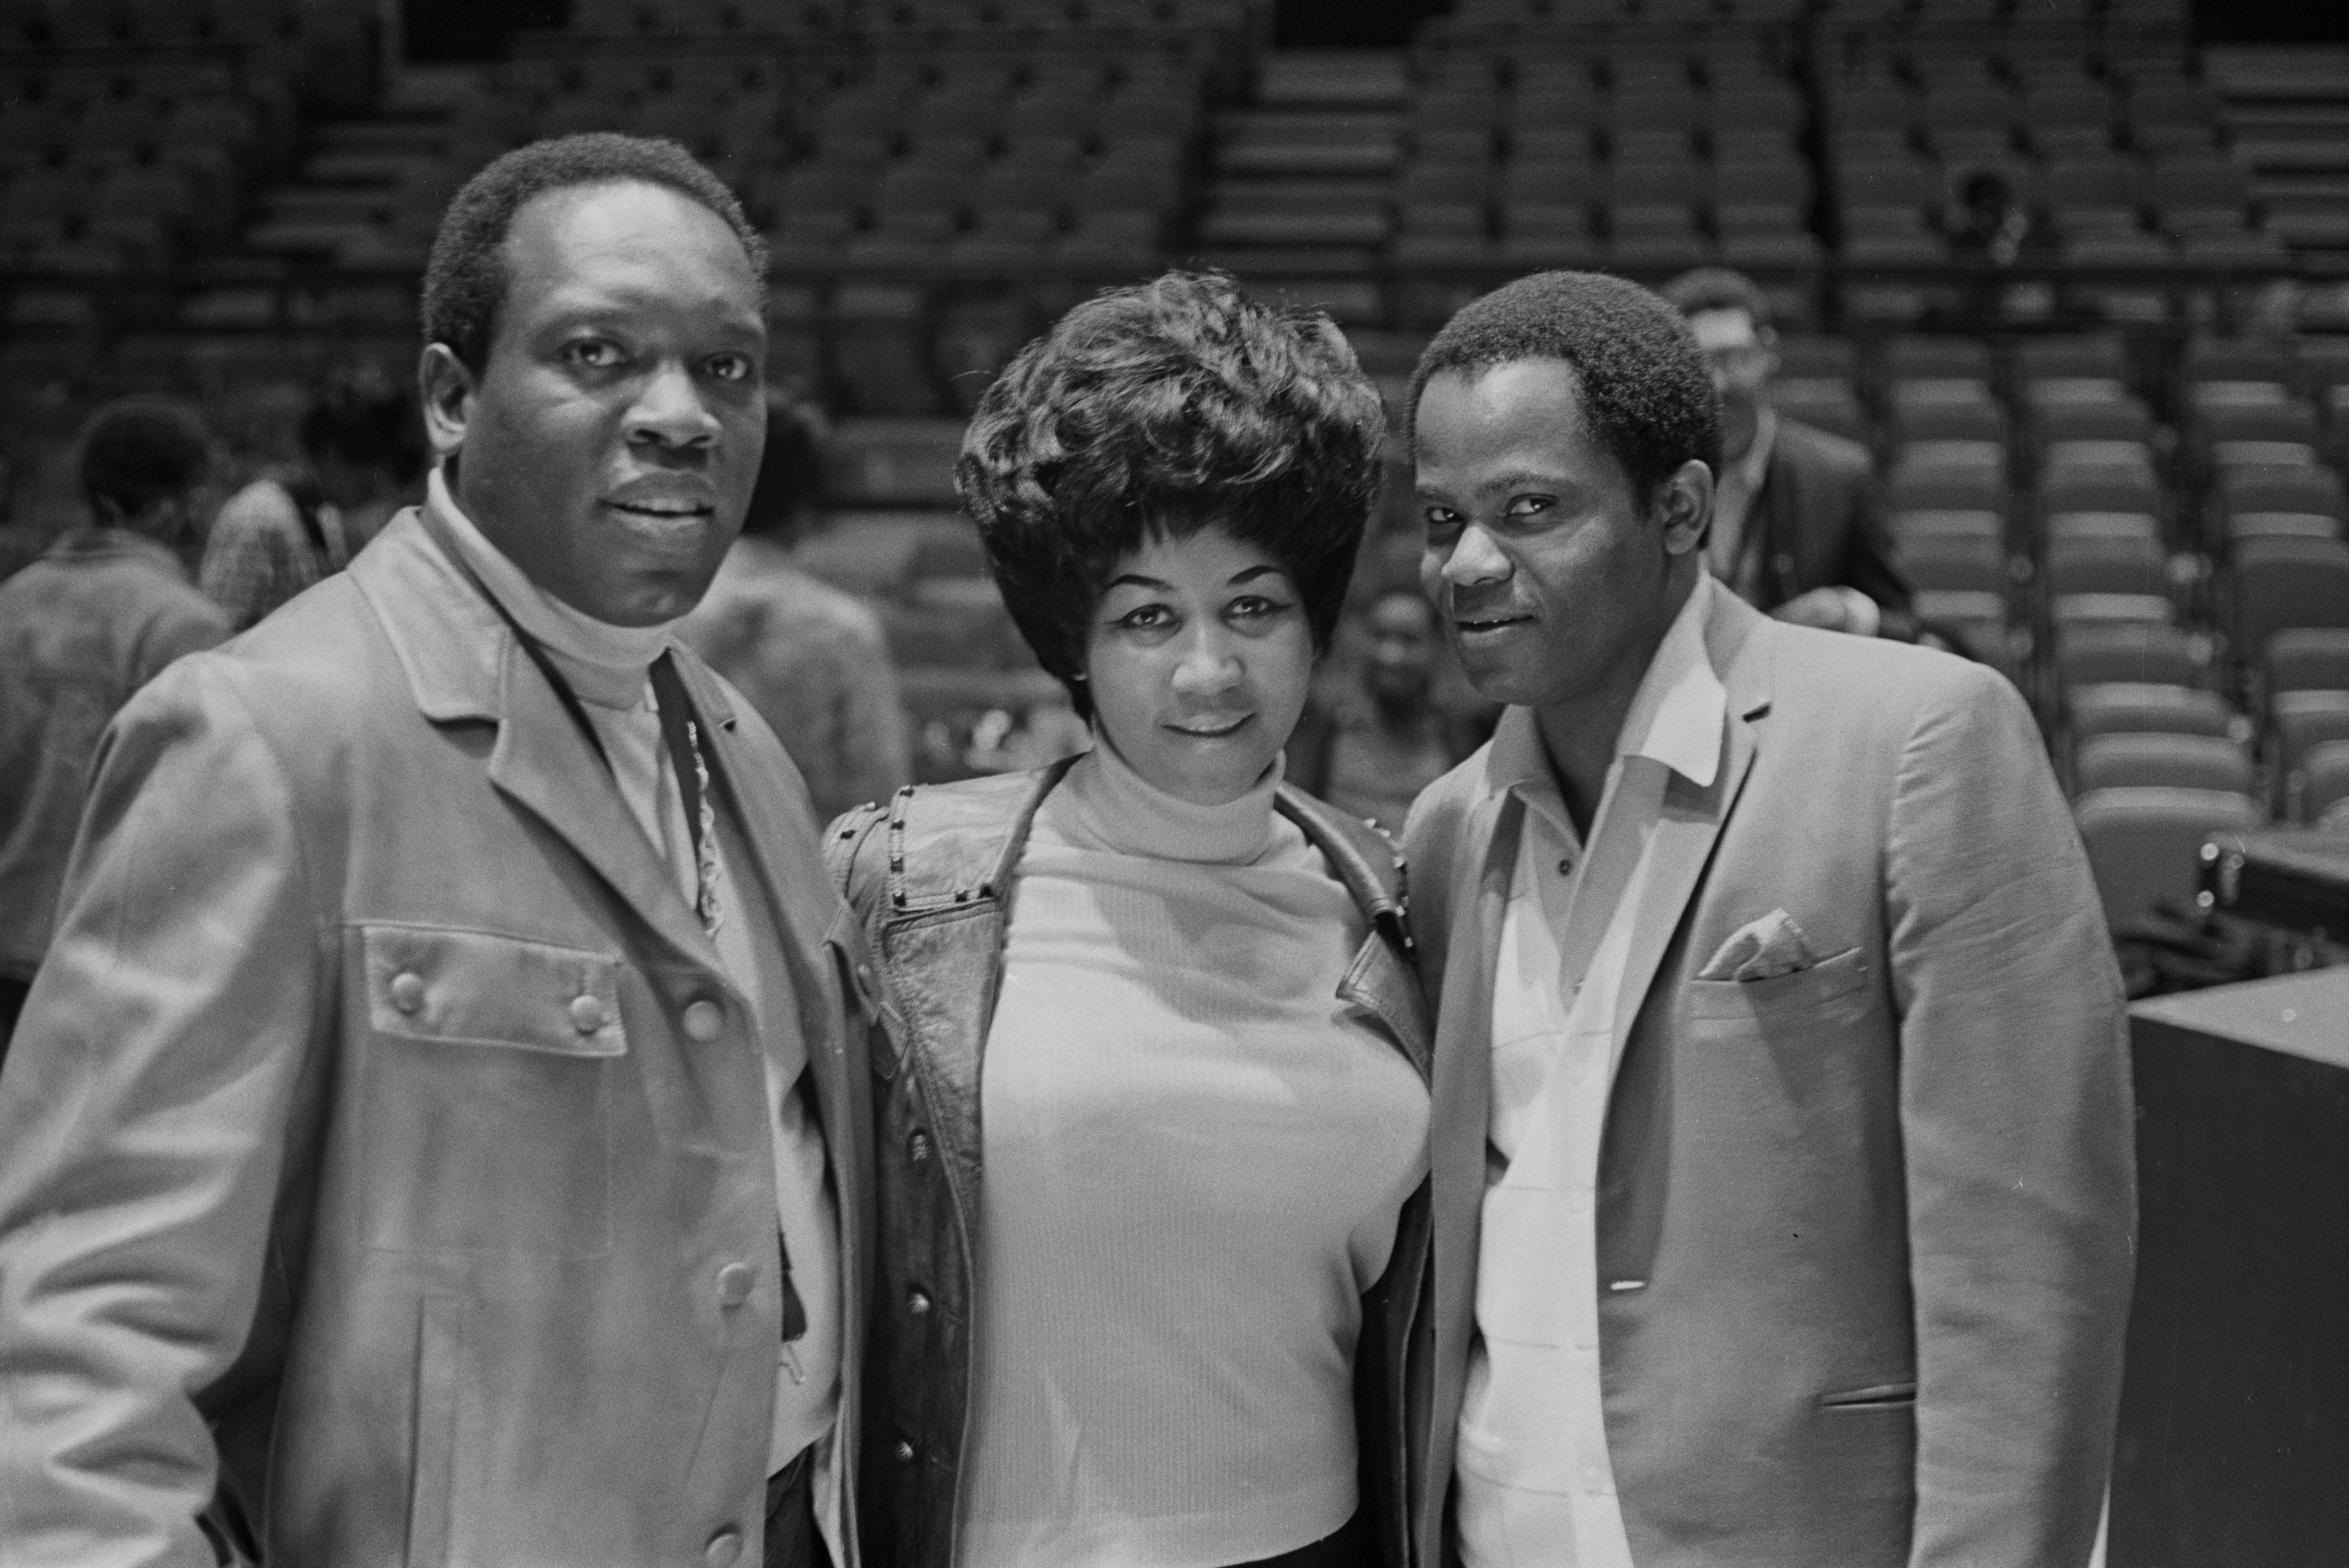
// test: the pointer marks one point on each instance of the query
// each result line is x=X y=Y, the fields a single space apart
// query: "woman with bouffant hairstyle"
x=1153 y=1106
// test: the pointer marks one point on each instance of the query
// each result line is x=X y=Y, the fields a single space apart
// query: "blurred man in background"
x=1797 y=531
x=91 y=621
x=1370 y=752
x=810 y=658
x=363 y=449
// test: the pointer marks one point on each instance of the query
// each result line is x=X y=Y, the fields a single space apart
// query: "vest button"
x=917 y=1148
x=734 y=1285
x=723 y=1549
x=902 y=1451
x=587 y=1014
x=408 y=991
x=705 y=1020
x=917 y=1302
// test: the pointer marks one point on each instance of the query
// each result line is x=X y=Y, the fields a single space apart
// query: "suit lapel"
x=1735 y=643
x=542 y=763
x=1463 y=1093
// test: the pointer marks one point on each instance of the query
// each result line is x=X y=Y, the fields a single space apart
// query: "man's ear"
x=446 y=385
x=1685 y=502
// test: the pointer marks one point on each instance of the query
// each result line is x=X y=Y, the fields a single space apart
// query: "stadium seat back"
x=2174 y=761
x=2145 y=844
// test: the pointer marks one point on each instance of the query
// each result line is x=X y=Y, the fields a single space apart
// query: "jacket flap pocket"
x=472 y=988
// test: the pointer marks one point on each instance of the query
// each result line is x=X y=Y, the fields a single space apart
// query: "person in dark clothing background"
x=1797 y=531
x=102 y=609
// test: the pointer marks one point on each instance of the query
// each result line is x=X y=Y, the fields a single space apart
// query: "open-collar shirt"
x=1536 y=1487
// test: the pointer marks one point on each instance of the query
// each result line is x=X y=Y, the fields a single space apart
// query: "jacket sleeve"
x=2015 y=1109
x=145 y=1113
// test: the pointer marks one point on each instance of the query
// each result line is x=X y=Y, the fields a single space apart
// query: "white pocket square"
x=1762 y=950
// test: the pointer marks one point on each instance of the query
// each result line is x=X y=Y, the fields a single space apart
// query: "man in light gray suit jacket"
x=1782 y=1163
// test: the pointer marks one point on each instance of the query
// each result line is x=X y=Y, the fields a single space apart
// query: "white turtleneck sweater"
x=608 y=666
x=1194 y=1159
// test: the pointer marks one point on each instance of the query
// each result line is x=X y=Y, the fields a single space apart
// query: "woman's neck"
x=1104 y=804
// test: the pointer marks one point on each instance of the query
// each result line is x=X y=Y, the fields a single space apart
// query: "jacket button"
x=705 y=1020
x=723 y=1549
x=734 y=1285
x=917 y=1148
x=587 y=1014
x=902 y=1451
x=917 y=1302
x=408 y=991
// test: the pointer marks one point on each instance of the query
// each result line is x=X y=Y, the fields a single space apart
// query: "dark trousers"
x=792 y=1540
x=1353 y=1545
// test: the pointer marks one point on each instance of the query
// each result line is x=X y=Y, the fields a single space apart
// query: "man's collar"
x=1675 y=716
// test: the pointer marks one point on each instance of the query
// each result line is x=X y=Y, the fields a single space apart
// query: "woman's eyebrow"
x=1252 y=572
x=1137 y=580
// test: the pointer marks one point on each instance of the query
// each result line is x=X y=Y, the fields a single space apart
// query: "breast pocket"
x=1832 y=984
x=486 y=1071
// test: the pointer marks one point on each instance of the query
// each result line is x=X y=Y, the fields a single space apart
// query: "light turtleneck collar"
x=1104 y=804
x=605 y=664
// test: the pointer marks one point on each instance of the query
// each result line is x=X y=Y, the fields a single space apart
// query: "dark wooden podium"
x=2234 y=1426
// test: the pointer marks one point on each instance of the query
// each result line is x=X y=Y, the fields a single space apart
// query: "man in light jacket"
x=1781 y=1152
x=435 y=1134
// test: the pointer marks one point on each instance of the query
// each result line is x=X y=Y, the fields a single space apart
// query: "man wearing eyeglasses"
x=1796 y=528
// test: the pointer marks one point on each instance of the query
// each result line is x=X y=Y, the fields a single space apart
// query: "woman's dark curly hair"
x=1155 y=412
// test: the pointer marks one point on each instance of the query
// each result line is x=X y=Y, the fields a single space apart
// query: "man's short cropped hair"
x=369 y=421
x=1718 y=288
x=1156 y=411
x=465 y=280
x=1644 y=387
x=791 y=472
x=141 y=451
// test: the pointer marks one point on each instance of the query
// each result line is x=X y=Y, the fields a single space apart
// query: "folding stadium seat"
x=1440 y=234
x=1116 y=182
x=2324 y=801
x=1150 y=110
x=1926 y=528
x=2218 y=359
x=1678 y=182
x=2110 y=185
x=2137 y=653
x=1762 y=237
x=2112 y=416
x=1548 y=182
x=2107 y=579
x=1655 y=237
x=2069 y=116
x=1946 y=410
x=2300 y=724
x=1770 y=106
x=2233 y=435
x=42 y=205
x=2089 y=357
x=1766 y=180
x=1545 y=234
x=879 y=348
x=2163 y=115
x=2164 y=761
x=1935 y=358
x=2142 y=707
x=1112 y=242
x=2248 y=502
x=2099 y=487
x=2280 y=583
x=1972 y=120
x=859 y=124
x=1954 y=563
x=142 y=209
x=1891 y=237
x=1925 y=486
x=2145 y=844
x=115 y=132
x=1826 y=402
x=2308 y=659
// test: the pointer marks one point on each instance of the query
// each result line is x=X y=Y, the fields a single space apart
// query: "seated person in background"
x=363 y=449
x=1797 y=531
x=810 y=658
x=91 y=621
x=1151 y=1150
x=1370 y=752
